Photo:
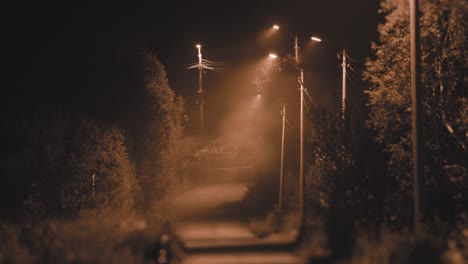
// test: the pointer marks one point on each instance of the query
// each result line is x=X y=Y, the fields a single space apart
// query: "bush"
x=96 y=236
x=75 y=163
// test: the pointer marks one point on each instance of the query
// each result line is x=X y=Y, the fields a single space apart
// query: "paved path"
x=205 y=212
x=213 y=225
x=245 y=258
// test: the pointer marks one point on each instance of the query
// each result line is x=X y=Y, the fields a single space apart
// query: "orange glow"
x=276 y=27
x=272 y=55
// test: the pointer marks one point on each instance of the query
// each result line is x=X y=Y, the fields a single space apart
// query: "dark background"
x=81 y=56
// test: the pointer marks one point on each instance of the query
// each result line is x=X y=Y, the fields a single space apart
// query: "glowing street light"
x=316 y=39
x=272 y=55
x=343 y=90
x=301 y=128
x=201 y=66
x=200 y=91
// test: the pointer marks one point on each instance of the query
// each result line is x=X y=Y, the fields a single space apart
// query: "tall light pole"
x=415 y=108
x=301 y=127
x=296 y=50
x=343 y=80
x=343 y=89
x=301 y=122
x=93 y=186
x=280 y=201
x=301 y=145
x=201 y=99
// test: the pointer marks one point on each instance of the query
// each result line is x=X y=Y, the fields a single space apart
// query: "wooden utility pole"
x=301 y=146
x=416 y=109
x=301 y=129
x=343 y=89
x=201 y=99
x=93 y=186
x=280 y=199
x=296 y=50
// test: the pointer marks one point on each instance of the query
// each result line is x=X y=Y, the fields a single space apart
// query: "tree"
x=99 y=152
x=443 y=64
x=63 y=152
x=159 y=137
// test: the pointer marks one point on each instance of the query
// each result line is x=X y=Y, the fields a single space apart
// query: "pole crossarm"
x=204 y=65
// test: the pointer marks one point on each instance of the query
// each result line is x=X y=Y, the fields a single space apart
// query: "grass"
x=95 y=236
x=391 y=247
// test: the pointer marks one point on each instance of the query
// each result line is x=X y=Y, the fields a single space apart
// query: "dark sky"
x=73 y=54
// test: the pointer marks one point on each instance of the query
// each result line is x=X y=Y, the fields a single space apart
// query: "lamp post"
x=283 y=115
x=343 y=87
x=301 y=145
x=201 y=99
x=301 y=127
x=415 y=48
x=280 y=200
x=301 y=124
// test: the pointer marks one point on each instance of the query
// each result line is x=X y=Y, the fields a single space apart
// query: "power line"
x=352 y=69
x=352 y=82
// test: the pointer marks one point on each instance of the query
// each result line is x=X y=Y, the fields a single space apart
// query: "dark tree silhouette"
x=159 y=142
x=444 y=67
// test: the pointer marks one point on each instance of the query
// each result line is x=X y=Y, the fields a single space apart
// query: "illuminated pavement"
x=213 y=230
x=237 y=258
x=202 y=213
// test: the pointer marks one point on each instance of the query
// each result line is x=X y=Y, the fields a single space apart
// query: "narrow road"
x=211 y=209
x=213 y=222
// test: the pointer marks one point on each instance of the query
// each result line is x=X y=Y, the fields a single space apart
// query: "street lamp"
x=280 y=200
x=418 y=166
x=343 y=89
x=283 y=114
x=316 y=39
x=301 y=129
x=200 y=91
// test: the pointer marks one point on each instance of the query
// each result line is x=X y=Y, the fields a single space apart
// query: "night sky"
x=78 y=55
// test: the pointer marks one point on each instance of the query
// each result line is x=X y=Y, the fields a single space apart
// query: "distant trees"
x=55 y=160
x=61 y=154
x=326 y=153
x=444 y=66
x=101 y=154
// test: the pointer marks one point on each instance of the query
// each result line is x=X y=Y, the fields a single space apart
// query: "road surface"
x=212 y=220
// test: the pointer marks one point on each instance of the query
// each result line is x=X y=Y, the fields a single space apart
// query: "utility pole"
x=201 y=99
x=301 y=147
x=280 y=202
x=93 y=186
x=416 y=109
x=301 y=133
x=343 y=90
x=296 y=50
